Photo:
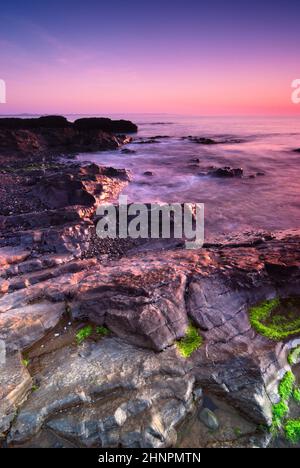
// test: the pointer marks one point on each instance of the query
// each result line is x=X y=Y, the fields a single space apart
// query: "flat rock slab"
x=108 y=393
x=21 y=328
x=15 y=385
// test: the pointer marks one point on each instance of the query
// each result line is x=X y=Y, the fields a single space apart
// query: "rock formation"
x=131 y=387
x=56 y=134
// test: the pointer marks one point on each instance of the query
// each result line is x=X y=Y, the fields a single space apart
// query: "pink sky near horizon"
x=142 y=91
x=209 y=72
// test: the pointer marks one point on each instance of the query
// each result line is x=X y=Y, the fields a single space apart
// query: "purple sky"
x=161 y=56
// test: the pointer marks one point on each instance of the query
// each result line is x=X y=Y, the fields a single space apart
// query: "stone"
x=209 y=419
x=49 y=133
x=108 y=400
x=226 y=172
x=22 y=327
x=131 y=388
x=15 y=386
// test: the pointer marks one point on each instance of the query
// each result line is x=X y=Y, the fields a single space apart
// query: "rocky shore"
x=89 y=329
x=57 y=134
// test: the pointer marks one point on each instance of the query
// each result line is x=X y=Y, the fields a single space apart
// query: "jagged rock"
x=108 y=401
x=22 y=327
x=51 y=121
x=146 y=299
x=211 y=141
x=15 y=385
x=226 y=172
x=12 y=255
x=106 y=125
x=29 y=136
x=80 y=186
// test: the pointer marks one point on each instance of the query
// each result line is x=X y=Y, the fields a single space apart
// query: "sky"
x=125 y=56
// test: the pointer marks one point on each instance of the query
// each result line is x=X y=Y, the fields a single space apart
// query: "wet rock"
x=15 y=385
x=147 y=310
x=146 y=299
x=209 y=419
x=29 y=136
x=148 y=173
x=149 y=141
x=106 y=125
x=51 y=121
x=211 y=141
x=79 y=186
x=226 y=172
x=121 y=404
x=202 y=140
x=22 y=327
x=128 y=151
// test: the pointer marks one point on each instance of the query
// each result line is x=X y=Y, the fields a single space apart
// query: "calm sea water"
x=232 y=205
x=270 y=202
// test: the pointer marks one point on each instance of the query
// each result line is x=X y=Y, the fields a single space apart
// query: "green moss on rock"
x=294 y=356
x=285 y=388
x=296 y=394
x=190 y=342
x=84 y=333
x=292 y=430
x=102 y=331
x=276 y=319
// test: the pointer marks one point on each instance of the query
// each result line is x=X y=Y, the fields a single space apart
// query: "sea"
x=178 y=165
x=263 y=145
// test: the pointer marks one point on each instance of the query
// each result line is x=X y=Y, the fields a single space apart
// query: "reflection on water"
x=232 y=204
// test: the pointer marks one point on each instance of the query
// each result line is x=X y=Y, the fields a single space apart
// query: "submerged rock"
x=128 y=151
x=211 y=141
x=226 y=172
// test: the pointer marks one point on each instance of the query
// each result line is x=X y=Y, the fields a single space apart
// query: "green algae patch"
x=190 y=342
x=292 y=430
x=276 y=319
x=294 y=356
x=84 y=333
x=279 y=411
x=91 y=331
x=286 y=385
x=25 y=362
x=102 y=331
x=296 y=394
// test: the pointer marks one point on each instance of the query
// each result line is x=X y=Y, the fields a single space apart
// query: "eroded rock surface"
x=131 y=388
x=15 y=385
